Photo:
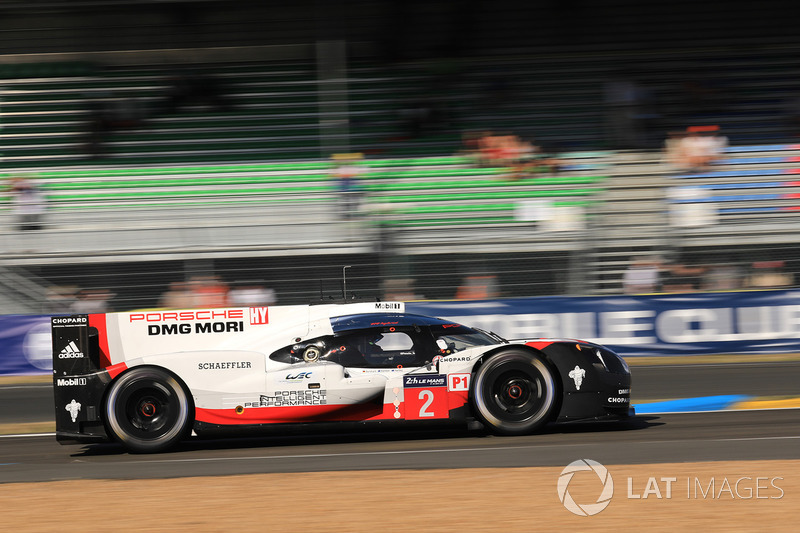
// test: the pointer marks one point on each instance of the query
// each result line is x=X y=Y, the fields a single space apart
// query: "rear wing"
x=78 y=379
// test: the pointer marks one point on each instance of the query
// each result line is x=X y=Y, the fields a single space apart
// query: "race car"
x=150 y=379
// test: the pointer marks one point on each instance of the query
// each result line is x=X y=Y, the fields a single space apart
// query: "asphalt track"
x=734 y=435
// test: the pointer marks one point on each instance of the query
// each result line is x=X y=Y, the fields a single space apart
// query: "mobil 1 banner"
x=730 y=322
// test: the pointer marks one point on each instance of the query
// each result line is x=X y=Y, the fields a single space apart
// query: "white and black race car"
x=148 y=379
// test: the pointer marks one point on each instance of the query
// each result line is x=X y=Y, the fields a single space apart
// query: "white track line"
x=27 y=435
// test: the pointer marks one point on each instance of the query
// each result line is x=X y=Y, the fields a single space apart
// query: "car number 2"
x=426 y=403
x=428 y=395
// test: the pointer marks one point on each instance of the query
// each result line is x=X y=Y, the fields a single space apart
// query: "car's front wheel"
x=514 y=392
x=147 y=410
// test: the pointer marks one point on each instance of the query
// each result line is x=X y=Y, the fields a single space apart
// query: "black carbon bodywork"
x=603 y=390
x=78 y=384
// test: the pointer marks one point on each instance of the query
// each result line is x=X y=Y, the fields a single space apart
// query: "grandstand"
x=272 y=108
x=243 y=172
x=208 y=208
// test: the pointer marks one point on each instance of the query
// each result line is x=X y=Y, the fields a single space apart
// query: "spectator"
x=400 y=290
x=347 y=174
x=726 y=277
x=495 y=150
x=252 y=296
x=642 y=276
x=700 y=148
x=178 y=296
x=209 y=291
x=768 y=275
x=682 y=278
x=28 y=203
x=199 y=291
x=672 y=148
x=60 y=298
x=523 y=157
x=91 y=301
x=478 y=288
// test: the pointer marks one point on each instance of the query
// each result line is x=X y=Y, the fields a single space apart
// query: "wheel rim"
x=516 y=393
x=147 y=410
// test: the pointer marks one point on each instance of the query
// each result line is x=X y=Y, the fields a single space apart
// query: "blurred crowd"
x=211 y=291
x=652 y=275
x=695 y=149
x=522 y=157
x=197 y=292
x=72 y=299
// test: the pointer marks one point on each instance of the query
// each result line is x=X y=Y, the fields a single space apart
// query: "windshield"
x=457 y=337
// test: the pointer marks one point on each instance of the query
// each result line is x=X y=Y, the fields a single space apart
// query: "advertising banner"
x=680 y=324
x=25 y=345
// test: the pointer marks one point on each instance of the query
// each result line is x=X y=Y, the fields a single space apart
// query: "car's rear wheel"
x=148 y=410
x=514 y=393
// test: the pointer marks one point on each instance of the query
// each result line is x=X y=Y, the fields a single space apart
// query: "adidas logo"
x=70 y=351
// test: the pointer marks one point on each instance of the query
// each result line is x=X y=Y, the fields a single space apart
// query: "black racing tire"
x=514 y=393
x=147 y=410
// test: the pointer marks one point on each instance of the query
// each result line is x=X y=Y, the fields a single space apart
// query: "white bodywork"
x=223 y=357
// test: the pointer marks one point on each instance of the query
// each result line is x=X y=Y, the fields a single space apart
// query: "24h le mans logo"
x=587 y=509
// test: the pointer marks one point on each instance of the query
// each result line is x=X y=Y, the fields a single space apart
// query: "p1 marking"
x=458 y=382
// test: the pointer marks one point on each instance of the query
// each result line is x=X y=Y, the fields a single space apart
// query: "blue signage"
x=25 y=345
x=679 y=324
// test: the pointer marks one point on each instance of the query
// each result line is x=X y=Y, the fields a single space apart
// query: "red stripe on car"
x=289 y=414
x=116 y=370
x=98 y=321
x=539 y=345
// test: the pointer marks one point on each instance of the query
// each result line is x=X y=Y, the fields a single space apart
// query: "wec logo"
x=585 y=465
x=299 y=376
